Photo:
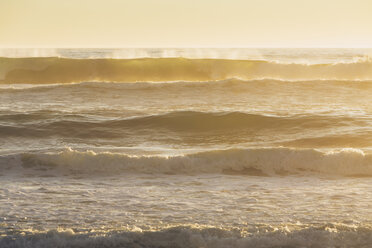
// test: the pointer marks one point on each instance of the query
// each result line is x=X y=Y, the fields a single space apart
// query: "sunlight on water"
x=189 y=147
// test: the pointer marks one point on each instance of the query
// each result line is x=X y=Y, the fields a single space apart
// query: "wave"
x=62 y=70
x=330 y=235
x=259 y=162
x=228 y=85
x=47 y=123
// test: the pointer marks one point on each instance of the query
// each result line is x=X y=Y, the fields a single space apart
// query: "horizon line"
x=191 y=47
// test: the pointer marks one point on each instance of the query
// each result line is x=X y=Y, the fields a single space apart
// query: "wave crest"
x=263 y=161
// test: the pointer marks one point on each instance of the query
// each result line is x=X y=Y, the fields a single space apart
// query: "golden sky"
x=185 y=23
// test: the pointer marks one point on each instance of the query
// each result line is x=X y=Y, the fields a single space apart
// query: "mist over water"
x=185 y=148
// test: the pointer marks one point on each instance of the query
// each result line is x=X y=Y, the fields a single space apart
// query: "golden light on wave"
x=185 y=123
x=64 y=70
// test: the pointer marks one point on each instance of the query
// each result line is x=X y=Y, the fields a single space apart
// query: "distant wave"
x=62 y=70
x=260 y=161
x=44 y=123
x=323 y=236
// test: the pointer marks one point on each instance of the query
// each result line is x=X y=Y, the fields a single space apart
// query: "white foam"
x=327 y=236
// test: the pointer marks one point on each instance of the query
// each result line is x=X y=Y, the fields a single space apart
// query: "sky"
x=185 y=23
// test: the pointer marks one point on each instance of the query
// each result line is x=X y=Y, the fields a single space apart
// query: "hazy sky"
x=185 y=23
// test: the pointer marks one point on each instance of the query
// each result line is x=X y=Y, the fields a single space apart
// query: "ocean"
x=176 y=147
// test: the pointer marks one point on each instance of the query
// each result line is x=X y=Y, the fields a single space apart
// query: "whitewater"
x=176 y=147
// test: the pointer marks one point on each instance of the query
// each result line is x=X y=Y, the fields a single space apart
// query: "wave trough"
x=40 y=124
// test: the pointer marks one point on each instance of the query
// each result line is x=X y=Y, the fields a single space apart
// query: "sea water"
x=185 y=148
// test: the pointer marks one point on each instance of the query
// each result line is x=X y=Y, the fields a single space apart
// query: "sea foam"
x=182 y=237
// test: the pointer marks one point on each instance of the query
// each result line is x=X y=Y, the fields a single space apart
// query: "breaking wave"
x=260 y=162
x=62 y=70
x=324 y=236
